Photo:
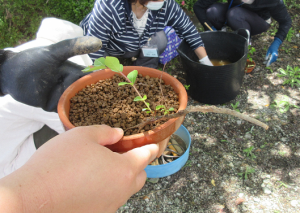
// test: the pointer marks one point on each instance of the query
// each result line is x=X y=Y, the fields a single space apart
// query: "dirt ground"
x=233 y=165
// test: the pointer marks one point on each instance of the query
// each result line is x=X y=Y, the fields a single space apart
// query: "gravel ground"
x=233 y=165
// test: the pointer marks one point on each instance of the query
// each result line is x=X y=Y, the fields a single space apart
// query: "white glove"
x=206 y=61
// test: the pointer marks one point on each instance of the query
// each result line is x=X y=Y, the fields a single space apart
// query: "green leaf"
x=158 y=107
x=87 y=69
x=90 y=69
x=123 y=83
x=100 y=62
x=132 y=76
x=113 y=63
x=138 y=98
x=171 y=109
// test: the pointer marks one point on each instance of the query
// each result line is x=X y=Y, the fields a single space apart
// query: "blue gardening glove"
x=272 y=53
x=208 y=26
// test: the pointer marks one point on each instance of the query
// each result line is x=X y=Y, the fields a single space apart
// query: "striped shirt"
x=112 y=22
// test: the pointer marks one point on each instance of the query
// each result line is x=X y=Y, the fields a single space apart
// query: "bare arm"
x=202 y=55
x=74 y=172
x=200 y=52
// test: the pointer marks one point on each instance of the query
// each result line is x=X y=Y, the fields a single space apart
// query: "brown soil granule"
x=107 y=103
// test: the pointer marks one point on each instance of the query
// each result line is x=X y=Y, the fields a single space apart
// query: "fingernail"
x=119 y=130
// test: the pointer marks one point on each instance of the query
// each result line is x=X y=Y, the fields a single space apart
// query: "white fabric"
x=151 y=5
x=248 y=1
x=205 y=61
x=17 y=124
x=140 y=24
x=18 y=121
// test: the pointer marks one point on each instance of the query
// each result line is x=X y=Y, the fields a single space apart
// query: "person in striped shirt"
x=129 y=28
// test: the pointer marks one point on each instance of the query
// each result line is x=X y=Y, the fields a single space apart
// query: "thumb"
x=267 y=55
x=101 y=134
x=76 y=46
x=269 y=61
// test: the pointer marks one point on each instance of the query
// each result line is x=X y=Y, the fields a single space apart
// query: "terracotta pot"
x=159 y=135
x=250 y=65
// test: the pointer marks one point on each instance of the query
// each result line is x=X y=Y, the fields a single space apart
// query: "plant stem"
x=127 y=79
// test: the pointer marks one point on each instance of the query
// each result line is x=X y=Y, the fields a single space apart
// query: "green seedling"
x=282 y=184
x=282 y=153
x=245 y=174
x=114 y=64
x=235 y=106
x=264 y=145
x=287 y=50
x=187 y=87
x=249 y=152
x=251 y=130
x=269 y=68
x=164 y=109
x=290 y=35
x=188 y=164
x=283 y=105
x=251 y=51
x=292 y=74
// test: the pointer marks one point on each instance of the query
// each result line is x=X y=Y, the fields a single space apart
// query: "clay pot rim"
x=250 y=69
x=63 y=99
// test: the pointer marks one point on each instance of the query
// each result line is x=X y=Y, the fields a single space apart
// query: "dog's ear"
x=4 y=55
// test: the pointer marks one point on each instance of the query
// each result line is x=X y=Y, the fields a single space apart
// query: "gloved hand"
x=272 y=53
x=213 y=28
x=208 y=27
x=38 y=76
x=206 y=61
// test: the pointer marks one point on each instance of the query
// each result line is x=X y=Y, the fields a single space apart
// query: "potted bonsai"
x=110 y=68
x=250 y=64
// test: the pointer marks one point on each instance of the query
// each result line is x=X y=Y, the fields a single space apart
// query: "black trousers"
x=236 y=18
x=159 y=39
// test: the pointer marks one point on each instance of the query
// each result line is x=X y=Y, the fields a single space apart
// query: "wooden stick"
x=203 y=109
x=208 y=26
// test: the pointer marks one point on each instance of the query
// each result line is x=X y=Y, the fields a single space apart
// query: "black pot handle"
x=248 y=33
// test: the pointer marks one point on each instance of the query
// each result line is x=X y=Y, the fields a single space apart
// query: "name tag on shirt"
x=150 y=52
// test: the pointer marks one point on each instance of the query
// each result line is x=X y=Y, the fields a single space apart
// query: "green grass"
x=291 y=75
x=20 y=20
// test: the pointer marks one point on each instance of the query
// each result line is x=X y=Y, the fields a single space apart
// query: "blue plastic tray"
x=173 y=167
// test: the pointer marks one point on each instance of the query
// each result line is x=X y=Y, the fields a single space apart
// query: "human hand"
x=206 y=61
x=272 y=53
x=74 y=172
x=38 y=76
x=213 y=28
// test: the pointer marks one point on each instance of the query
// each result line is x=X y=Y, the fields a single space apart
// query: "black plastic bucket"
x=217 y=84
